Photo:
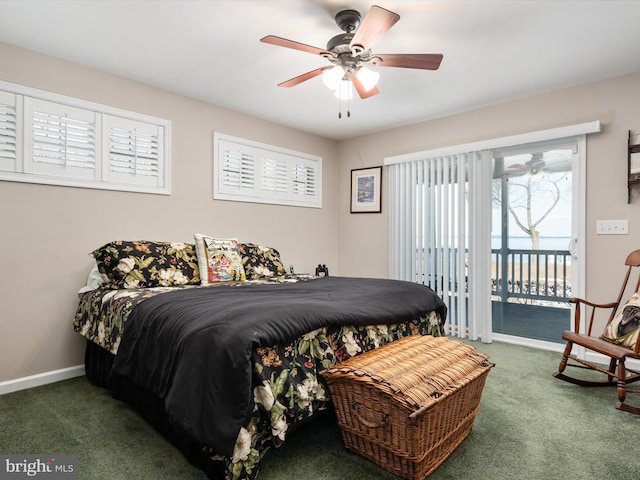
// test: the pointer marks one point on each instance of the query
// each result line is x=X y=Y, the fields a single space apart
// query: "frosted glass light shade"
x=344 y=90
x=368 y=78
x=332 y=77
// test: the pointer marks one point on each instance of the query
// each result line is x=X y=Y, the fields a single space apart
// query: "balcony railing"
x=531 y=276
x=541 y=277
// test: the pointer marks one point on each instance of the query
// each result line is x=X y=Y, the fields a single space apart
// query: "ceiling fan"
x=350 y=53
x=537 y=164
x=532 y=166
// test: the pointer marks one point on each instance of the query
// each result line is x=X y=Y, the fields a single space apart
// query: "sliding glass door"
x=532 y=234
x=496 y=228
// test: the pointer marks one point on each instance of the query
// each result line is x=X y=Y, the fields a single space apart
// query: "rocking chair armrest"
x=590 y=312
x=578 y=301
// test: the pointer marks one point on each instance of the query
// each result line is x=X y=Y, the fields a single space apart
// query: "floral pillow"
x=144 y=264
x=219 y=260
x=260 y=262
x=625 y=327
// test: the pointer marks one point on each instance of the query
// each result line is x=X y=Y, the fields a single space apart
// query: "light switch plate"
x=612 y=227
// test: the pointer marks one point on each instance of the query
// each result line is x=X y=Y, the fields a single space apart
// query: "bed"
x=220 y=349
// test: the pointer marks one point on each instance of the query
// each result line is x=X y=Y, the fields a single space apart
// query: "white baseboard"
x=41 y=379
x=590 y=356
x=528 y=342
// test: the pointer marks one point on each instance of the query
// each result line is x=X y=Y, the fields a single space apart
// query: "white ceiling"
x=494 y=51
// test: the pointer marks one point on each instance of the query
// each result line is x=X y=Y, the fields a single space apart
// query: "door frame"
x=577 y=243
x=578 y=228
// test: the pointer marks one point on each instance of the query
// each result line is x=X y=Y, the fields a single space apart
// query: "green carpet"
x=530 y=426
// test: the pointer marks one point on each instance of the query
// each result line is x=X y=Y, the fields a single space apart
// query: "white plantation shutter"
x=8 y=132
x=134 y=151
x=304 y=179
x=237 y=169
x=62 y=140
x=274 y=177
x=58 y=140
x=248 y=171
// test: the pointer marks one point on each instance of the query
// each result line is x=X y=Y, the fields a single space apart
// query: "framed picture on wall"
x=365 y=190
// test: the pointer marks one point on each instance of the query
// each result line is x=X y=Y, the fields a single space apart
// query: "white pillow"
x=94 y=280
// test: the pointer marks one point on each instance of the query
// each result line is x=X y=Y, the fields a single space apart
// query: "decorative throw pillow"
x=219 y=260
x=260 y=262
x=144 y=264
x=625 y=327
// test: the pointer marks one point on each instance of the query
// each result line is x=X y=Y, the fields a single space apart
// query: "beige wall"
x=47 y=232
x=364 y=241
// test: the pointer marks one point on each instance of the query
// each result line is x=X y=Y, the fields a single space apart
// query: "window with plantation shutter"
x=134 y=151
x=274 y=178
x=304 y=180
x=58 y=140
x=236 y=169
x=247 y=171
x=8 y=132
x=62 y=140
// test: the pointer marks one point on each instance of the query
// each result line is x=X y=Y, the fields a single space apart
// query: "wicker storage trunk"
x=407 y=405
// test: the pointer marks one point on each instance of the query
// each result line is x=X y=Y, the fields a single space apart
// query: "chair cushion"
x=625 y=327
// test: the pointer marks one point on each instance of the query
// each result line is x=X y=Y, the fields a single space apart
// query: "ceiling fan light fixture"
x=350 y=51
x=332 y=77
x=344 y=90
x=368 y=78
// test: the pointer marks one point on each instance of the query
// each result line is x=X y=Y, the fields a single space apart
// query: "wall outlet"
x=612 y=227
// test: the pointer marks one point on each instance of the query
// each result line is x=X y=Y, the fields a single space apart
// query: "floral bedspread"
x=288 y=389
x=102 y=313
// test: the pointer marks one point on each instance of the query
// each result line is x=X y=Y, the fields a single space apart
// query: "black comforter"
x=192 y=348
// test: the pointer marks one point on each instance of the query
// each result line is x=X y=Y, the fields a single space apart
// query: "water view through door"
x=531 y=235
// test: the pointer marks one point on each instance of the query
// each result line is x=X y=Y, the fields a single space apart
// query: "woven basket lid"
x=416 y=370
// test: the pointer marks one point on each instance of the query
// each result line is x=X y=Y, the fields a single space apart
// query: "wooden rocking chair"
x=617 y=353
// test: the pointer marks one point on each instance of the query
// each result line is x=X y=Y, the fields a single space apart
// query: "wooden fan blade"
x=515 y=169
x=375 y=24
x=361 y=91
x=424 y=61
x=283 y=42
x=304 y=77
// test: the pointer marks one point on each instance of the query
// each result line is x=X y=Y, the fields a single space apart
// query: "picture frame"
x=366 y=192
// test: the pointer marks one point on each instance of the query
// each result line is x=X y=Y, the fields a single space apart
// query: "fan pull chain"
x=340 y=108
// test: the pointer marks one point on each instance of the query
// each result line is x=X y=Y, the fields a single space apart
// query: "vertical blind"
x=440 y=234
